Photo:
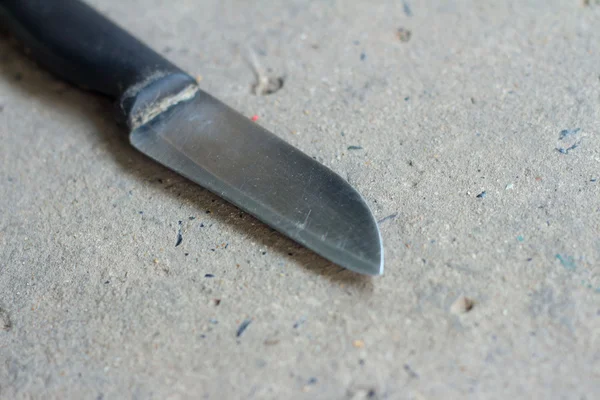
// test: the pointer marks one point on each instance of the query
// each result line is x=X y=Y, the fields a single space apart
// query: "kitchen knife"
x=182 y=127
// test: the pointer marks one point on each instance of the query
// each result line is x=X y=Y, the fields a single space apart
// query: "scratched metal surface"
x=238 y=160
x=97 y=301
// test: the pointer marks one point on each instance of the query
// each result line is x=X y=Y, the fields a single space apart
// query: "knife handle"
x=80 y=45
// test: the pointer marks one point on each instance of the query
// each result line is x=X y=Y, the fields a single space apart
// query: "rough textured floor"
x=478 y=124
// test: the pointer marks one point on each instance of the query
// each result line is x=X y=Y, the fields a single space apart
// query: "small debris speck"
x=481 y=195
x=192 y=218
x=179 y=236
x=567 y=262
x=363 y=56
x=403 y=34
x=392 y=216
x=407 y=10
x=243 y=327
x=520 y=238
x=359 y=344
x=216 y=302
x=410 y=371
x=509 y=186
x=568 y=149
x=568 y=132
x=299 y=323
x=354 y=148
x=267 y=85
x=312 y=381
x=254 y=118
x=209 y=276
x=5 y=322
x=462 y=305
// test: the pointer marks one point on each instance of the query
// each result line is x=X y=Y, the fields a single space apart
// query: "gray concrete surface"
x=96 y=302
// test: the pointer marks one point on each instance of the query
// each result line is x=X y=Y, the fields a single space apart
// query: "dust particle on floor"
x=568 y=149
x=567 y=262
x=243 y=327
x=359 y=344
x=354 y=148
x=179 y=236
x=209 y=276
x=267 y=85
x=299 y=323
x=407 y=10
x=391 y=216
x=462 y=305
x=410 y=372
x=481 y=195
x=568 y=132
x=5 y=322
x=403 y=34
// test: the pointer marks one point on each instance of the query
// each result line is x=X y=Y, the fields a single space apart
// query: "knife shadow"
x=23 y=73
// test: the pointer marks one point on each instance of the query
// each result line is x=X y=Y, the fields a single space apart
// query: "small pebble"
x=462 y=305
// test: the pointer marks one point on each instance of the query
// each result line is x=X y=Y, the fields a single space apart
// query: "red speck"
x=254 y=118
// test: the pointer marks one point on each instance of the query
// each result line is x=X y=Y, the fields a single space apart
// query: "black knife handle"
x=79 y=44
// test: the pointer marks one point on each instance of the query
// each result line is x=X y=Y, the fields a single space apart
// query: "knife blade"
x=174 y=122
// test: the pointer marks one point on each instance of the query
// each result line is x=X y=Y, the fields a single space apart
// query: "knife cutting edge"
x=180 y=126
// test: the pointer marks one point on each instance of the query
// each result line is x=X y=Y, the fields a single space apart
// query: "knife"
x=187 y=130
